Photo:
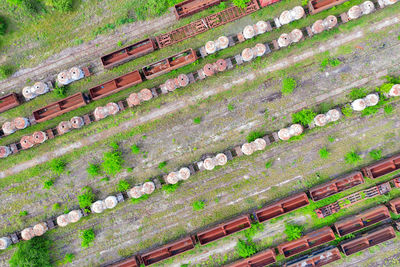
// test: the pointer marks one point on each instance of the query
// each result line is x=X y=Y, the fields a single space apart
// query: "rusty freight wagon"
x=394 y=205
x=264 y=3
x=130 y=262
x=263 y=258
x=115 y=85
x=368 y=240
x=336 y=186
x=316 y=259
x=382 y=167
x=127 y=53
x=309 y=241
x=167 y=251
x=190 y=7
x=360 y=221
x=316 y=6
x=8 y=102
x=225 y=229
x=281 y=207
x=168 y=64
x=60 y=107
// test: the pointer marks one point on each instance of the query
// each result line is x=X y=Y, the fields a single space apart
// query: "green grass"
x=288 y=86
x=198 y=205
x=87 y=238
x=93 y=170
x=245 y=248
x=23 y=213
x=231 y=107
x=170 y=188
x=268 y=164
x=304 y=117
x=332 y=62
x=48 y=184
x=357 y=93
x=197 y=120
x=253 y=135
x=324 y=153
x=56 y=206
x=135 y=149
x=123 y=186
x=293 y=231
x=352 y=157
x=162 y=165
x=375 y=154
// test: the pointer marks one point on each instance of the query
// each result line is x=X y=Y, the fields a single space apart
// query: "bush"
x=324 y=153
x=253 y=135
x=48 y=184
x=57 y=166
x=87 y=237
x=240 y=3
x=197 y=120
x=56 y=206
x=60 y=5
x=385 y=88
x=333 y=62
x=331 y=139
x=352 y=157
x=5 y=72
x=288 y=85
x=170 y=188
x=388 y=109
x=198 y=205
x=245 y=249
x=140 y=199
x=34 y=252
x=87 y=198
x=68 y=258
x=253 y=230
x=135 y=149
x=23 y=213
x=162 y=165
x=112 y=162
x=93 y=169
x=123 y=186
x=231 y=107
x=347 y=111
x=268 y=164
x=357 y=93
x=304 y=117
x=60 y=91
x=293 y=231
x=376 y=154
x=3 y=26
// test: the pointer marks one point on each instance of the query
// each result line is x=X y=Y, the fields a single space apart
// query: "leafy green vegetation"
x=48 y=184
x=123 y=186
x=140 y=199
x=162 y=165
x=385 y=88
x=198 y=205
x=304 y=117
x=332 y=62
x=324 y=153
x=23 y=213
x=93 y=169
x=240 y=3
x=135 y=149
x=253 y=135
x=5 y=72
x=112 y=161
x=293 y=231
x=357 y=93
x=60 y=91
x=197 y=120
x=375 y=154
x=32 y=253
x=170 y=188
x=388 y=109
x=255 y=228
x=57 y=166
x=352 y=158
x=268 y=164
x=245 y=248
x=56 y=206
x=231 y=107
x=3 y=26
x=68 y=258
x=87 y=237
x=288 y=85
x=347 y=111
x=60 y=5
x=331 y=139
x=86 y=199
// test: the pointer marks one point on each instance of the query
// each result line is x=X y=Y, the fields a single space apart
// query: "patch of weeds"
x=268 y=164
x=352 y=158
x=288 y=85
x=331 y=139
x=48 y=184
x=255 y=228
x=347 y=111
x=197 y=120
x=253 y=135
x=140 y=199
x=56 y=206
x=324 y=153
x=332 y=62
x=135 y=149
x=57 y=166
x=245 y=248
x=375 y=154
x=87 y=238
x=120 y=44
x=357 y=93
x=216 y=200
x=231 y=107
x=162 y=165
x=304 y=117
x=112 y=161
x=170 y=188
x=388 y=109
x=60 y=91
x=385 y=88
x=5 y=72
x=23 y=213
x=198 y=205
x=93 y=170
x=86 y=199
x=123 y=186
x=293 y=231
x=105 y=179
x=68 y=258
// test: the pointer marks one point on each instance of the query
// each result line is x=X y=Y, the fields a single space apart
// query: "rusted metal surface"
x=281 y=207
x=115 y=85
x=360 y=221
x=171 y=63
x=317 y=258
x=368 y=240
x=316 y=6
x=264 y=258
x=224 y=229
x=60 y=107
x=264 y=3
x=382 y=168
x=128 y=53
x=130 y=262
x=8 y=102
x=395 y=205
x=335 y=186
x=311 y=240
x=167 y=251
x=190 y=7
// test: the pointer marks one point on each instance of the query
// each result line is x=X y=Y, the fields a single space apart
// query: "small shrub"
x=333 y=62
x=388 y=109
x=352 y=157
x=124 y=20
x=48 y=184
x=57 y=166
x=87 y=237
x=253 y=135
x=123 y=186
x=368 y=111
x=253 y=230
x=120 y=44
x=324 y=153
x=304 y=2
x=398 y=37
x=93 y=170
x=304 y=117
x=3 y=26
x=376 y=154
x=331 y=139
x=87 y=198
x=245 y=249
x=288 y=85
x=112 y=162
x=60 y=91
x=198 y=205
x=60 y=5
x=23 y=213
x=56 y=206
x=268 y=164
x=140 y=199
x=135 y=149
x=162 y=165
x=170 y=188
x=385 y=88
x=293 y=231
x=347 y=111
x=240 y=3
x=34 y=252
x=357 y=93
x=68 y=258
x=197 y=120
x=231 y=107
x=5 y=72
x=105 y=179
